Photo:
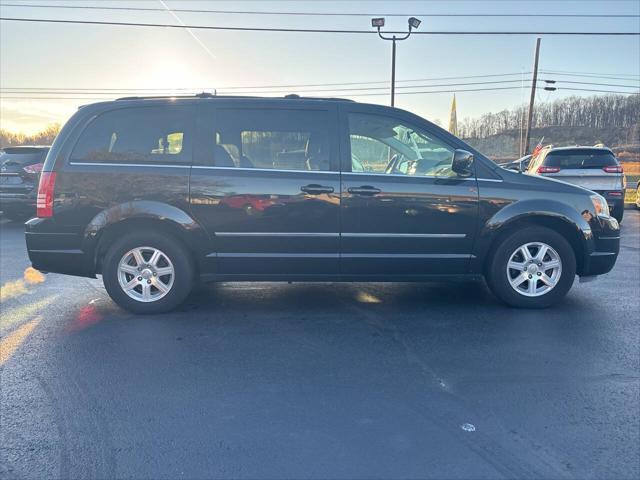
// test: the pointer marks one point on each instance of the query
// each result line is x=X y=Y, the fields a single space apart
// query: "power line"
x=589 y=83
x=247 y=87
x=593 y=90
x=319 y=14
x=354 y=95
x=599 y=84
x=348 y=89
x=247 y=90
x=607 y=77
x=310 y=30
x=589 y=74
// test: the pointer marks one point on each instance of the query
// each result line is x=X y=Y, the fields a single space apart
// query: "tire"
x=510 y=249
x=169 y=289
x=618 y=213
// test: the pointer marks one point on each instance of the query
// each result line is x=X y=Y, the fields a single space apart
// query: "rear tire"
x=532 y=276
x=618 y=214
x=143 y=283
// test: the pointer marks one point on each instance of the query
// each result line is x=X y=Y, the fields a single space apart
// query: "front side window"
x=272 y=139
x=135 y=135
x=385 y=145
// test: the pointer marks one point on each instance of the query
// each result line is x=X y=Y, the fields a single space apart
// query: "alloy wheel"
x=145 y=274
x=534 y=269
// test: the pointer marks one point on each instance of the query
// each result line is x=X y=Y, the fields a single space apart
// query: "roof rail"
x=296 y=96
x=197 y=95
x=290 y=96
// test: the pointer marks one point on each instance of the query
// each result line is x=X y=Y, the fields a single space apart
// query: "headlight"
x=600 y=205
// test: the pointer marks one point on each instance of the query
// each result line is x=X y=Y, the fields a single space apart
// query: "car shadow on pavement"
x=333 y=297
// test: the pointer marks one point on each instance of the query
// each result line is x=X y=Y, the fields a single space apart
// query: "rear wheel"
x=618 y=213
x=147 y=273
x=532 y=268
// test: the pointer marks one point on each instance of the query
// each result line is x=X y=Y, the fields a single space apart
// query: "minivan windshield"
x=567 y=159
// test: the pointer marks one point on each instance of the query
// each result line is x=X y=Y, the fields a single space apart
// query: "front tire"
x=532 y=268
x=148 y=272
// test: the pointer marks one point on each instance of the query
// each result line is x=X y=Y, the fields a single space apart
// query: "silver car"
x=594 y=168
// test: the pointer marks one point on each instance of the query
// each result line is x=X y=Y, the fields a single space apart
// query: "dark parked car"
x=19 y=172
x=154 y=194
x=595 y=168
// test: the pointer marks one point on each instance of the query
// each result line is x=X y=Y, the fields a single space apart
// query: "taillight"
x=44 y=202
x=613 y=169
x=34 y=169
x=543 y=169
x=615 y=194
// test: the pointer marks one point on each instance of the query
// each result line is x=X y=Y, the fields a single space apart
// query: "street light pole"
x=378 y=23
x=393 y=71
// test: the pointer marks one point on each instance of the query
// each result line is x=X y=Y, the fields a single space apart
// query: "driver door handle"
x=364 y=190
x=315 y=189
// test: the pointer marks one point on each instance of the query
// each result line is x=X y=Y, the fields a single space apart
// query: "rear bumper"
x=604 y=248
x=615 y=202
x=58 y=252
x=18 y=202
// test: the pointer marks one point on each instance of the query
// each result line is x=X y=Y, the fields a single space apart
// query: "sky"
x=57 y=56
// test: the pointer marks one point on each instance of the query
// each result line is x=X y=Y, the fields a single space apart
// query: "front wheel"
x=147 y=273
x=532 y=268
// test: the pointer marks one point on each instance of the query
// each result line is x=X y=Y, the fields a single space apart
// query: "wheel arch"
x=159 y=217
x=555 y=216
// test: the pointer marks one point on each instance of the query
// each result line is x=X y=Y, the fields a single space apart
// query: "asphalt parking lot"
x=319 y=380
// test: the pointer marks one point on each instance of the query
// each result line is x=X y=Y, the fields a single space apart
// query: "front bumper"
x=604 y=247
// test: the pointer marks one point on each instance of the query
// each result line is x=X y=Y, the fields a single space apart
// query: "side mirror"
x=462 y=162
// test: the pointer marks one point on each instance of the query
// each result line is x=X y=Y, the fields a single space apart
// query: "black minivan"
x=155 y=193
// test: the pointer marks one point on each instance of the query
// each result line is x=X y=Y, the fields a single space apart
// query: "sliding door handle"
x=315 y=189
x=364 y=190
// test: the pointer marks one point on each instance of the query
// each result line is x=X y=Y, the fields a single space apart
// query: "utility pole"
x=527 y=136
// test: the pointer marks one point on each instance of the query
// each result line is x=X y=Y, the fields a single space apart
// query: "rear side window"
x=136 y=135
x=567 y=159
x=271 y=139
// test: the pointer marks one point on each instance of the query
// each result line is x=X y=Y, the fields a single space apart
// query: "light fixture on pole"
x=379 y=23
